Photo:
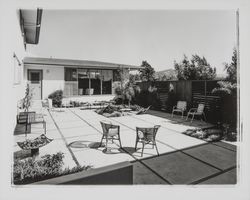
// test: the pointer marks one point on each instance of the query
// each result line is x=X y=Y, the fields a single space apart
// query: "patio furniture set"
x=143 y=135
x=181 y=107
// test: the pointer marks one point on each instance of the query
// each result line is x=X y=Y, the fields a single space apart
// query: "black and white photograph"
x=99 y=98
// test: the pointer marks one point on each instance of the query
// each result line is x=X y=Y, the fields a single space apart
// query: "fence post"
x=205 y=92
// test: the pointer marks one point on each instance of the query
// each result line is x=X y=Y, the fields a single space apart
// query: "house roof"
x=30 y=22
x=75 y=63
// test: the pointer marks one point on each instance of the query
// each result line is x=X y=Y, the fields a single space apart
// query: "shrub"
x=171 y=101
x=228 y=93
x=126 y=94
x=29 y=170
x=142 y=98
x=56 y=97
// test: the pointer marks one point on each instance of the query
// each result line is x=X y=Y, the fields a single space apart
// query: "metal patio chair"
x=146 y=136
x=199 y=111
x=180 y=107
x=110 y=132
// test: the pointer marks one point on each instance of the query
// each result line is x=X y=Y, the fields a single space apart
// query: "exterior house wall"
x=12 y=43
x=52 y=78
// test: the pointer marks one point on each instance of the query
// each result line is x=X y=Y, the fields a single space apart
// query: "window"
x=70 y=74
x=35 y=77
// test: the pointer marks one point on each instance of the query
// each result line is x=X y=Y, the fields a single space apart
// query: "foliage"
x=166 y=75
x=147 y=73
x=26 y=101
x=209 y=135
x=122 y=76
x=134 y=77
x=125 y=93
x=153 y=98
x=171 y=101
x=195 y=69
x=56 y=97
x=149 y=97
x=228 y=93
x=232 y=68
x=225 y=88
x=30 y=170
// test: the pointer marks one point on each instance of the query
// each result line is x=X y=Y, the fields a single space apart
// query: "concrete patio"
x=182 y=160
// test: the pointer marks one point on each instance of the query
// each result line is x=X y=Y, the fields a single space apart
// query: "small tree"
x=26 y=101
x=147 y=73
x=196 y=69
x=127 y=89
x=232 y=68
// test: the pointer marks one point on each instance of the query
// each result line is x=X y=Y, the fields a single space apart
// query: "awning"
x=30 y=22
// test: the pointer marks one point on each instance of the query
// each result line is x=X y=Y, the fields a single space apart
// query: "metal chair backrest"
x=148 y=133
x=200 y=108
x=182 y=105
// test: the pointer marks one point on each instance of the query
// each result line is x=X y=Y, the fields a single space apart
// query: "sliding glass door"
x=80 y=81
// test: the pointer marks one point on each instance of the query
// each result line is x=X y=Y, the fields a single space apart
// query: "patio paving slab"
x=217 y=156
x=128 y=143
x=178 y=119
x=165 y=123
x=79 y=131
x=178 y=141
x=226 y=145
x=142 y=175
x=98 y=158
x=228 y=177
x=179 y=168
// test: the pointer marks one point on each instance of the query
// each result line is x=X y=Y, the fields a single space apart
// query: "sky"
x=130 y=36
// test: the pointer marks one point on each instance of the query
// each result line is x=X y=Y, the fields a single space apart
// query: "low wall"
x=118 y=174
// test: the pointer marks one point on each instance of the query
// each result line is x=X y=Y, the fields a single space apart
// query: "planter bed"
x=118 y=110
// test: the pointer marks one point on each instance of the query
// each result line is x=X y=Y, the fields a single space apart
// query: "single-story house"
x=73 y=77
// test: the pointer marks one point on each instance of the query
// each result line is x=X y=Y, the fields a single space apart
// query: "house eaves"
x=76 y=63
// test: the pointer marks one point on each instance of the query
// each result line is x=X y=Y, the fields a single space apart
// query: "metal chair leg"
x=157 y=149
x=44 y=124
x=143 y=144
x=136 y=144
x=192 y=118
x=106 y=142
x=101 y=141
x=204 y=117
x=120 y=141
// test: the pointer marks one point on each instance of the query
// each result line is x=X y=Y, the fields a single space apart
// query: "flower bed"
x=49 y=166
x=209 y=135
x=38 y=142
x=116 y=110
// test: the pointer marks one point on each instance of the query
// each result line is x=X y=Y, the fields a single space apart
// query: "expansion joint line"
x=123 y=148
x=64 y=140
x=181 y=133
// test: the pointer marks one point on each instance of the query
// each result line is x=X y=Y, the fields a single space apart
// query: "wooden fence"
x=194 y=92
